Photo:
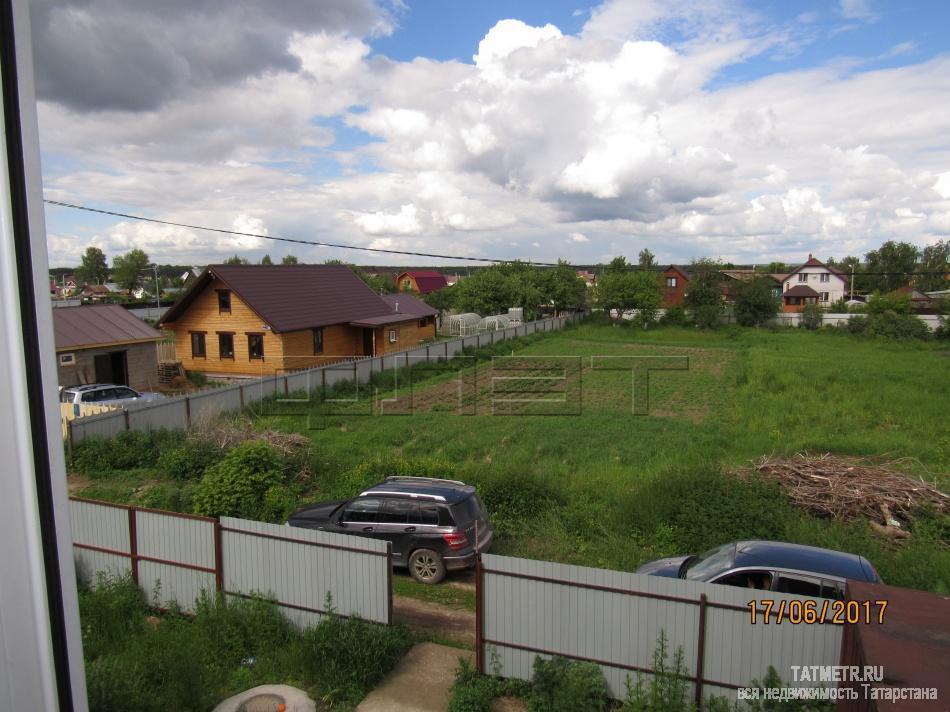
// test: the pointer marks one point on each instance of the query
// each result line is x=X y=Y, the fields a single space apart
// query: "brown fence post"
x=218 y=557
x=389 y=581
x=125 y=413
x=133 y=545
x=700 y=651
x=241 y=394
x=188 y=412
x=479 y=616
x=69 y=441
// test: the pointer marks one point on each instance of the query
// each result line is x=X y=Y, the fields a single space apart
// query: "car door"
x=359 y=517
x=399 y=523
x=122 y=394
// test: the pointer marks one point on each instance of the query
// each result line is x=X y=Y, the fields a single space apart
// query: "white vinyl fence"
x=174 y=557
x=528 y=608
x=178 y=413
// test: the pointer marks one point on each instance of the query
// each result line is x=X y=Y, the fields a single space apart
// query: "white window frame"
x=393 y=336
x=671 y=282
x=67 y=359
x=823 y=296
x=825 y=277
x=802 y=276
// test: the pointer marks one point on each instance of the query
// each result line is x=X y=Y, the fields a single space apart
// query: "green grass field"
x=600 y=486
x=610 y=488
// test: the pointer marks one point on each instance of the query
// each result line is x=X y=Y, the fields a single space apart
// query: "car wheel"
x=426 y=566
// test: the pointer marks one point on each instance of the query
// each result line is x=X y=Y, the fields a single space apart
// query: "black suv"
x=431 y=523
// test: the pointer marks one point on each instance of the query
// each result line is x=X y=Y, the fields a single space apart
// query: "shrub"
x=706 y=316
x=236 y=485
x=942 y=331
x=168 y=496
x=755 y=301
x=668 y=688
x=675 y=316
x=567 y=685
x=894 y=325
x=515 y=499
x=197 y=377
x=473 y=692
x=348 y=656
x=111 y=613
x=128 y=450
x=190 y=460
x=857 y=324
x=811 y=317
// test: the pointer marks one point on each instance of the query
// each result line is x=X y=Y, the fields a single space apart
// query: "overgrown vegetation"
x=137 y=659
x=606 y=488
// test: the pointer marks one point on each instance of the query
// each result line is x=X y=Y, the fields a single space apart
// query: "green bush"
x=811 y=317
x=513 y=500
x=567 y=685
x=668 y=689
x=675 y=316
x=706 y=316
x=197 y=377
x=349 y=656
x=128 y=450
x=473 y=692
x=190 y=460
x=236 y=486
x=168 y=496
x=895 y=325
x=857 y=324
x=942 y=332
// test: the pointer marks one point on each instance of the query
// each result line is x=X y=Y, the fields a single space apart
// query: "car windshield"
x=705 y=566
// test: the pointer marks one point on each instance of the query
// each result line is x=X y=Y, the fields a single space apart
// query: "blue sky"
x=746 y=131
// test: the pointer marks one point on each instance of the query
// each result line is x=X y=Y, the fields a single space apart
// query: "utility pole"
x=158 y=304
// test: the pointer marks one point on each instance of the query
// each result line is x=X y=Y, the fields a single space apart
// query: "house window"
x=406 y=284
x=423 y=323
x=392 y=336
x=318 y=340
x=198 y=344
x=224 y=301
x=67 y=359
x=824 y=277
x=802 y=277
x=823 y=296
x=671 y=281
x=226 y=345
x=255 y=346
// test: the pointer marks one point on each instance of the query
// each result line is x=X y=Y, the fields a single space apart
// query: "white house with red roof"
x=814 y=282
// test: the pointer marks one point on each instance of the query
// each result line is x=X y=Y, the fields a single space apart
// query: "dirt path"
x=433 y=618
x=421 y=682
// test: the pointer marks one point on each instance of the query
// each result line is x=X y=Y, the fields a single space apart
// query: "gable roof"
x=99 y=325
x=812 y=262
x=427 y=280
x=408 y=304
x=682 y=269
x=291 y=297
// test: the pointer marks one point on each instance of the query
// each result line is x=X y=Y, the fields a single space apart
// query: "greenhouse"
x=461 y=324
x=494 y=323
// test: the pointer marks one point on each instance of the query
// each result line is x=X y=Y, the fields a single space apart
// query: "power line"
x=277 y=238
x=315 y=243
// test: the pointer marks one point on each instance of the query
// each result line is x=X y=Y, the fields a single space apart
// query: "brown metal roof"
x=408 y=304
x=801 y=290
x=292 y=297
x=99 y=325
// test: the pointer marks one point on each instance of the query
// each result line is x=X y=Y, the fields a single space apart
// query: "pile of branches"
x=839 y=488
x=225 y=433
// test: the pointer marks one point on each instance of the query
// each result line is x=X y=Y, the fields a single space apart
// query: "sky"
x=539 y=130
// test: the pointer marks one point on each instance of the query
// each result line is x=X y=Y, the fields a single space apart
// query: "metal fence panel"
x=171 y=414
x=364 y=369
x=469 y=342
x=176 y=557
x=108 y=425
x=301 y=568
x=106 y=528
x=210 y=404
x=530 y=607
x=452 y=348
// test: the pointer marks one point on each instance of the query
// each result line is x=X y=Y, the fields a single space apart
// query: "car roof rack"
x=408 y=478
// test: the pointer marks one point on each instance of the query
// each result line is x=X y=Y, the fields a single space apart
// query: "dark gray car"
x=434 y=525
x=770 y=565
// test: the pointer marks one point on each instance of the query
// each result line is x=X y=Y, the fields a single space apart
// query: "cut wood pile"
x=225 y=433
x=848 y=489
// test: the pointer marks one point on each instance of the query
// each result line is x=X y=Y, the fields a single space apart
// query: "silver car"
x=105 y=394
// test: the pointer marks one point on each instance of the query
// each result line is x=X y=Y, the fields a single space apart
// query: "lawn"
x=590 y=482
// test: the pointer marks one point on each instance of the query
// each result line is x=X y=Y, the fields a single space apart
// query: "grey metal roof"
x=407 y=304
x=98 y=325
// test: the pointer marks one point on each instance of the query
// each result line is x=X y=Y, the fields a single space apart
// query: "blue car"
x=770 y=566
